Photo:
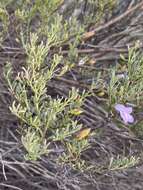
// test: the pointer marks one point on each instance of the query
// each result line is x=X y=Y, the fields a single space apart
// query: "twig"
x=90 y=34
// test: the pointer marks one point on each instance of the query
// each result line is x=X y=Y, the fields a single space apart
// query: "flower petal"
x=125 y=117
x=119 y=107
x=125 y=113
x=130 y=119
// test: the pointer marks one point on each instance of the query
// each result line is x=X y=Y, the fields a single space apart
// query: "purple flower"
x=125 y=113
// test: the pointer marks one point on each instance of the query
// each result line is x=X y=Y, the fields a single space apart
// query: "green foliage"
x=34 y=145
x=129 y=87
x=48 y=119
x=4 y=18
x=47 y=21
x=137 y=128
x=100 y=8
x=123 y=162
x=73 y=154
x=27 y=9
x=5 y=3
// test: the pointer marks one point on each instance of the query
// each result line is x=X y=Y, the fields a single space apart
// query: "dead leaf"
x=92 y=61
x=83 y=133
x=88 y=35
x=76 y=111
